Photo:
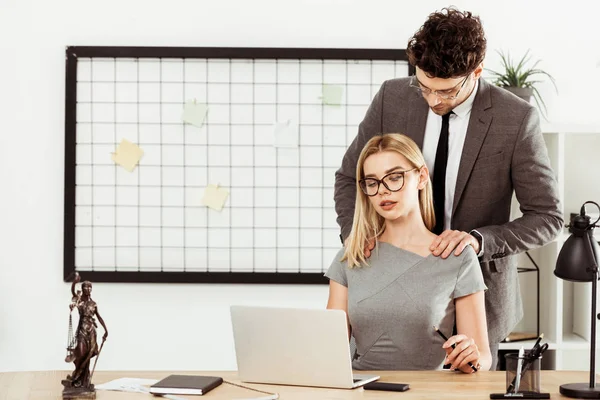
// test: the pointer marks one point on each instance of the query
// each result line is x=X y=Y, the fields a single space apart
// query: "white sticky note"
x=285 y=134
x=332 y=94
x=127 y=155
x=194 y=113
x=215 y=197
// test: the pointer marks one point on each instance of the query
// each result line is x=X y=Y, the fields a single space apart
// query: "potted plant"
x=519 y=79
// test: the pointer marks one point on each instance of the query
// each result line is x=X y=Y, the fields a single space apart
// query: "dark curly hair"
x=450 y=44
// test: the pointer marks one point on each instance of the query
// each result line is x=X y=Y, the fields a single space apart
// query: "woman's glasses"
x=393 y=181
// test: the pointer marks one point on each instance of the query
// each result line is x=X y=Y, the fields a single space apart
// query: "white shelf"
x=566 y=128
x=572 y=341
x=527 y=344
x=565 y=306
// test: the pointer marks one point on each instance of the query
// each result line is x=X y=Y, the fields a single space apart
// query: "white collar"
x=463 y=109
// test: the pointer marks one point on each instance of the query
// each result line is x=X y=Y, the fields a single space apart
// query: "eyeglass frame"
x=380 y=181
x=428 y=91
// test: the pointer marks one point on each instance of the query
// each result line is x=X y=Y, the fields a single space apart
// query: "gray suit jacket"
x=504 y=151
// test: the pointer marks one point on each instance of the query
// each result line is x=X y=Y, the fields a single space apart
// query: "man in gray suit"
x=481 y=143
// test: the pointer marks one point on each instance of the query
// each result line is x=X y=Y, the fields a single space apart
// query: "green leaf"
x=521 y=75
x=540 y=103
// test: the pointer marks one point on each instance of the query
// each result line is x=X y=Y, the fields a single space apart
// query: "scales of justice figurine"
x=82 y=346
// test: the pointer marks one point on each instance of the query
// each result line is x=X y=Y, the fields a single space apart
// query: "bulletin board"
x=210 y=165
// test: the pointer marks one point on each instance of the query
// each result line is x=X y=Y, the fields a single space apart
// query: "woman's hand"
x=466 y=351
x=77 y=277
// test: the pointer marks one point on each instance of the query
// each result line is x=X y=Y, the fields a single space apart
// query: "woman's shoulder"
x=337 y=263
x=468 y=254
x=340 y=260
x=466 y=257
x=337 y=259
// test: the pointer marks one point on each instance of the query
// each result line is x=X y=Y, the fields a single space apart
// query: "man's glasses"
x=446 y=94
x=393 y=181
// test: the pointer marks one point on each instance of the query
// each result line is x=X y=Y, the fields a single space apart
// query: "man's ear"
x=478 y=71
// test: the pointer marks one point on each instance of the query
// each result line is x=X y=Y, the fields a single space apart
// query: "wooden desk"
x=424 y=385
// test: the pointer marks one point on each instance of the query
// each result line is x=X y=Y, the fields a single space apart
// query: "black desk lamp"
x=578 y=262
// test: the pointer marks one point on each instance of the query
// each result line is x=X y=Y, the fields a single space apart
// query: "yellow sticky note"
x=194 y=113
x=332 y=94
x=215 y=197
x=127 y=155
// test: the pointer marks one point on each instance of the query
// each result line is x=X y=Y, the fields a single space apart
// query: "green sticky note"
x=332 y=94
x=194 y=113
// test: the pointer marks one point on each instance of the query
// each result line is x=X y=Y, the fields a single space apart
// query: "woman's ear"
x=423 y=177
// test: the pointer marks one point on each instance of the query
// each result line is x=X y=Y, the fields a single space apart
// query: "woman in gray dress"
x=394 y=298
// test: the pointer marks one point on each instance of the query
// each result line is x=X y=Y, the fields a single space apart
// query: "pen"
x=453 y=346
x=537 y=342
x=519 y=369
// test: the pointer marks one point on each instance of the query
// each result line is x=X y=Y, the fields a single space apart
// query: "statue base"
x=71 y=392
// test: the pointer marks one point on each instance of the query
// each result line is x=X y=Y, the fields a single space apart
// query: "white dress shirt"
x=457 y=133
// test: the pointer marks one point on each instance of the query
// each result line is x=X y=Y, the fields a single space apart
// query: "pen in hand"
x=453 y=346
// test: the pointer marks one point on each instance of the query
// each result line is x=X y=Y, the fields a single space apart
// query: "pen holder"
x=530 y=374
x=528 y=386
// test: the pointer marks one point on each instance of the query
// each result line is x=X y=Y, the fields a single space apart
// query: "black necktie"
x=439 y=175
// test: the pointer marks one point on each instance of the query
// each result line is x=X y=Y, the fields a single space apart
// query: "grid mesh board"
x=278 y=224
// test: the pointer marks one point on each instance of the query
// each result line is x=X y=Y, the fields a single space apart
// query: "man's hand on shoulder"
x=450 y=240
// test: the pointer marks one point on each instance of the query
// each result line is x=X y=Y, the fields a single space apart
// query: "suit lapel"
x=478 y=127
x=417 y=118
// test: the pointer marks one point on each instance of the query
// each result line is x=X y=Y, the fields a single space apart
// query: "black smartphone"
x=387 y=386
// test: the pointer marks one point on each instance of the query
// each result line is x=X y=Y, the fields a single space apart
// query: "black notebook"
x=186 y=384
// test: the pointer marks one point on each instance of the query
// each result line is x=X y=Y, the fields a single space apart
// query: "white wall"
x=187 y=326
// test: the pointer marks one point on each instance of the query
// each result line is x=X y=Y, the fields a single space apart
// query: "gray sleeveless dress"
x=394 y=303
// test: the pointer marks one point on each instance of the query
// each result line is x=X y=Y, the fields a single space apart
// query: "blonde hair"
x=368 y=225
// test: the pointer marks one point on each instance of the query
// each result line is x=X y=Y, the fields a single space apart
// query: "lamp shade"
x=574 y=260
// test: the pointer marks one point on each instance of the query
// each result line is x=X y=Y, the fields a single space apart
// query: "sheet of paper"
x=215 y=197
x=134 y=385
x=269 y=397
x=332 y=94
x=127 y=155
x=194 y=113
x=285 y=134
x=138 y=385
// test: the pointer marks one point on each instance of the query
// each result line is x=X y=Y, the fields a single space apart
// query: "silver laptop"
x=291 y=346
